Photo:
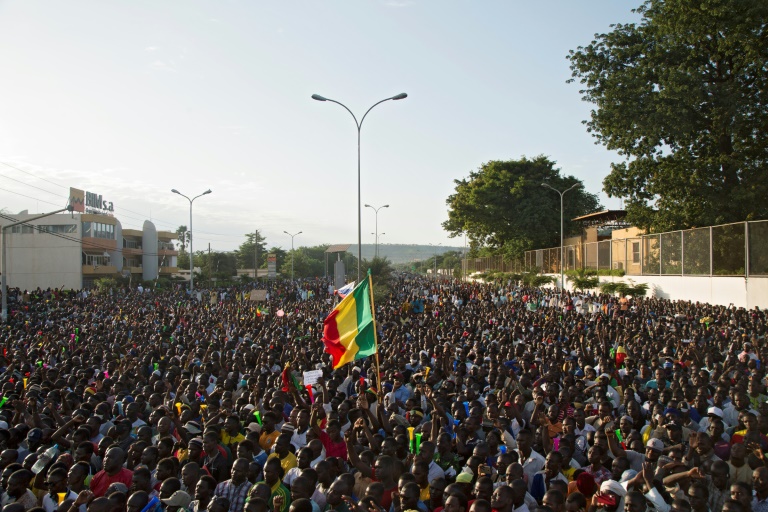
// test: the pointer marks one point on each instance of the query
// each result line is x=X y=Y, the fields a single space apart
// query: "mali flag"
x=349 y=331
x=621 y=355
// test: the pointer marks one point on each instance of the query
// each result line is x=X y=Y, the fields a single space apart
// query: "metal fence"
x=471 y=266
x=739 y=249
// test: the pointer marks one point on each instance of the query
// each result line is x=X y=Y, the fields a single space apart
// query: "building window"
x=99 y=230
x=96 y=260
x=636 y=253
x=22 y=229
x=58 y=228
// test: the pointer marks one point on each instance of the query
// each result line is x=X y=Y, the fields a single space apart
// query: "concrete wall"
x=742 y=292
x=45 y=260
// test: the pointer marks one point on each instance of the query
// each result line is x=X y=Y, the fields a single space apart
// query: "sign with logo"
x=272 y=266
x=77 y=199
x=90 y=202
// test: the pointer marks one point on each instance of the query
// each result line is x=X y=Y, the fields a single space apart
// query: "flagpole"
x=375 y=333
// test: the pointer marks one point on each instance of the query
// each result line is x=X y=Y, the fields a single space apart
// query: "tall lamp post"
x=191 y=252
x=562 y=270
x=436 y=246
x=359 y=125
x=3 y=283
x=293 y=256
x=377 y=237
x=376 y=210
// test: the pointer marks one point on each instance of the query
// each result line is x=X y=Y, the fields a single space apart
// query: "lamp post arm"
x=350 y=112
x=366 y=112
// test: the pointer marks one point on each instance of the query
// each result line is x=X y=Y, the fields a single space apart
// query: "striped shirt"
x=236 y=494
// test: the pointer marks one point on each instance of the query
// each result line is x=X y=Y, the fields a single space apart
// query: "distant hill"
x=402 y=253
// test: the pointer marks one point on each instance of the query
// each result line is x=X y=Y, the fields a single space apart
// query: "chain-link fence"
x=471 y=266
x=758 y=248
x=739 y=249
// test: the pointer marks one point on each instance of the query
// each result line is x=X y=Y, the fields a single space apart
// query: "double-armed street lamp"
x=191 y=252
x=436 y=246
x=359 y=125
x=293 y=256
x=376 y=210
x=562 y=270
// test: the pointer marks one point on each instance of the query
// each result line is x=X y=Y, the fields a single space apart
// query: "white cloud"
x=150 y=49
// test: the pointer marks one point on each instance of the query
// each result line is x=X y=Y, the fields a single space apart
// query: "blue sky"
x=130 y=99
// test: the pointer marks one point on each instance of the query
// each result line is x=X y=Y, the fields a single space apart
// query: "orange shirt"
x=267 y=440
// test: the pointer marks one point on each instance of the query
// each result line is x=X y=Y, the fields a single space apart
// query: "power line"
x=228 y=237
x=127 y=216
x=34 y=176
x=28 y=185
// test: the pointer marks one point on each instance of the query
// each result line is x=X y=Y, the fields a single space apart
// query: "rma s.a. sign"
x=89 y=202
x=94 y=200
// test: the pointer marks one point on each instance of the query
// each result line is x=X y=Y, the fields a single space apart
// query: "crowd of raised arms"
x=489 y=397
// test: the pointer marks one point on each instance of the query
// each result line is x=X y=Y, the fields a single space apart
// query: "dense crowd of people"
x=487 y=398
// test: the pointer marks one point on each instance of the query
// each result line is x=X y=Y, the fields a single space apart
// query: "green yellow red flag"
x=349 y=331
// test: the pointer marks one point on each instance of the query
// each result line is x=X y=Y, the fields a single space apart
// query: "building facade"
x=72 y=250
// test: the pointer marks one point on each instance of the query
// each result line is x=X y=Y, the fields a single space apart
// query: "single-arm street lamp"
x=191 y=252
x=562 y=270
x=359 y=125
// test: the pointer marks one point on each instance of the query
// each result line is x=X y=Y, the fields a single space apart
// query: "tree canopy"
x=504 y=205
x=252 y=249
x=683 y=96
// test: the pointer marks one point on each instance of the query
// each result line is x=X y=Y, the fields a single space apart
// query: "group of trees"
x=449 y=260
x=223 y=265
x=682 y=96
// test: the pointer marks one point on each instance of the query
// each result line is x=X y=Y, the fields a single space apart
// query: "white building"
x=72 y=250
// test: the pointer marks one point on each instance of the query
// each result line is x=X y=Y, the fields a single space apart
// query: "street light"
x=293 y=256
x=359 y=125
x=191 y=252
x=562 y=270
x=436 y=246
x=376 y=210
x=4 y=314
x=377 y=236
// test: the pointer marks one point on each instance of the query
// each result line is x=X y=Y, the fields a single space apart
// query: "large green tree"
x=308 y=261
x=503 y=205
x=683 y=96
x=252 y=249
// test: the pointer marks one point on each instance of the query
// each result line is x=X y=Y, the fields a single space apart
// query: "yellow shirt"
x=230 y=440
x=288 y=462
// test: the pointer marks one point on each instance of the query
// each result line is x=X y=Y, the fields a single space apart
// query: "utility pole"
x=255 y=255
